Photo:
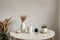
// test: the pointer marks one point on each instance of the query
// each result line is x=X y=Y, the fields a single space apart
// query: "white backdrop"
x=38 y=12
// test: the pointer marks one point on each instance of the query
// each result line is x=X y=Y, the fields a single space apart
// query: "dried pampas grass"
x=4 y=24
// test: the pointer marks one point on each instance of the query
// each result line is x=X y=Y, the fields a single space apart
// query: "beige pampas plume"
x=6 y=23
x=9 y=19
x=1 y=25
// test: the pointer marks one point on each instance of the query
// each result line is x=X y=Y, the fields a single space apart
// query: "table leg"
x=52 y=38
x=18 y=39
x=12 y=38
x=44 y=39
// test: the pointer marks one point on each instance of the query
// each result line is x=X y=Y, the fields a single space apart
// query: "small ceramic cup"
x=30 y=29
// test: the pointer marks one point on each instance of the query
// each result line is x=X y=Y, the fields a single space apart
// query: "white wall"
x=39 y=12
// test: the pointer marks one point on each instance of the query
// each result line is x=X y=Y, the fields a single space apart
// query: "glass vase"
x=23 y=18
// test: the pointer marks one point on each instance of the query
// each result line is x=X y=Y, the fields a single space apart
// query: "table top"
x=47 y=35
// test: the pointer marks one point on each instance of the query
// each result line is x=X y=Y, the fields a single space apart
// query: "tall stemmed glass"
x=23 y=18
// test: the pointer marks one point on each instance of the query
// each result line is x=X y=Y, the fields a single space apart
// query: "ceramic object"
x=18 y=31
x=36 y=30
x=44 y=30
x=30 y=29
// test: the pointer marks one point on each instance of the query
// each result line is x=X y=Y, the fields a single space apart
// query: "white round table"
x=38 y=36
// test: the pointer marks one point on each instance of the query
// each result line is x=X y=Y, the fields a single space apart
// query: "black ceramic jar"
x=36 y=30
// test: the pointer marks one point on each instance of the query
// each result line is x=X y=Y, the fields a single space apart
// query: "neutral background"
x=38 y=12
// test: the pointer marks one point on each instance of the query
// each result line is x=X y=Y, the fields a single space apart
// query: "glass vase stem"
x=22 y=27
